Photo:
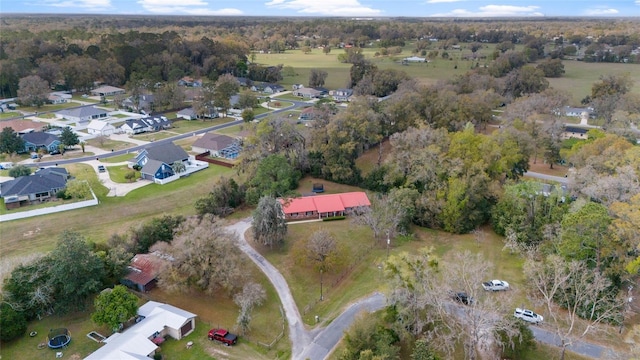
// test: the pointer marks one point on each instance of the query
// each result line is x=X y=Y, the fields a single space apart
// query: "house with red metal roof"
x=323 y=206
x=143 y=272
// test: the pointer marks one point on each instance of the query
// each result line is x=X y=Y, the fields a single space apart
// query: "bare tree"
x=322 y=250
x=384 y=216
x=252 y=295
x=424 y=295
x=269 y=226
x=33 y=91
x=570 y=291
x=205 y=258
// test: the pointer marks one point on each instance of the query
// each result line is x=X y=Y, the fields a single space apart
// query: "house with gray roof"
x=34 y=141
x=156 y=160
x=35 y=188
x=342 y=95
x=190 y=113
x=143 y=102
x=82 y=114
x=106 y=90
x=148 y=124
x=218 y=145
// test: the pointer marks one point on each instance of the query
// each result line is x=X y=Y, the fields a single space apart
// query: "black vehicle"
x=101 y=168
x=462 y=298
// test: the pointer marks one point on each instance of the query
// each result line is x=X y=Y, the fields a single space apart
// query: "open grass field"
x=117 y=173
x=9 y=115
x=578 y=78
x=154 y=136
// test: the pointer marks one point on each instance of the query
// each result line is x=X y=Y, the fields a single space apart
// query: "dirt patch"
x=541 y=167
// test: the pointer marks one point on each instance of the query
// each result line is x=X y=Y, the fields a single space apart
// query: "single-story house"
x=190 y=113
x=307 y=93
x=143 y=272
x=144 y=102
x=244 y=82
x=257 y=87
x=414 y=59
x=21 y=126
x=41 y=140
x=308 y=114
x=82 y=114
x=99 y=127
x=190 y=82
x=148 y=124
x=217 y=145
x=156 y=160
x=58 y=98
x=273 y=88
x=37 y=187
x=107 y=90
x=323 y=206
x=574 y=132
x=575 y=112
x=155 y=321
x=342 y=95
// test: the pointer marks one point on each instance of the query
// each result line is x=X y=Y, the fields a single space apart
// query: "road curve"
x=327 y=338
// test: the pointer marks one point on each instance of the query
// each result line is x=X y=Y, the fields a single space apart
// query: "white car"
x=528 y=315
x=495 y=285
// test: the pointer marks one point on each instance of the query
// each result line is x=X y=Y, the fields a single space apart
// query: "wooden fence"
x=205 y=157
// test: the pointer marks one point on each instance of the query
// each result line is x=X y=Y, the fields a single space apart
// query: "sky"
x=321 y=8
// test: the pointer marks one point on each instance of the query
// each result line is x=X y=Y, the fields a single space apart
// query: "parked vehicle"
x=495 y=285
x=101 y=168
x=6 y=165
x=223 y=336
x=528 y=315
x=463 y=298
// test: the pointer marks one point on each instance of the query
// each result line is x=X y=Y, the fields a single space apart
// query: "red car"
x=223 y=336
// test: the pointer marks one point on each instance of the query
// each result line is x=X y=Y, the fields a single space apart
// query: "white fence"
x=50 y=210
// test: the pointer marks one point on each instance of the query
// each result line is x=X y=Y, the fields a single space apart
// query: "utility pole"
x=388 y=244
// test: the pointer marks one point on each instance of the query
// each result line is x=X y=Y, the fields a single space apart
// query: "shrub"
x=342 y=217
x=12 y=323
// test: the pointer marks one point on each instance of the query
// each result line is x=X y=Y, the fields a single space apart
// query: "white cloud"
x=494 y=11
x=601 y=11
x=326 y=7
x=445 y=1
x=189 y=7
x=78 y=4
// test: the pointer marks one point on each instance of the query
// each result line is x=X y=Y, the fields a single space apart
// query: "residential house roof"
x=60 y=171
x=151 y=166
x=308 y=91
x=154 y=122
x=212 y=141
x=134 y=343
x=21 y=125
x=325 y=203
x=143 y=268
x=98 y=125
x=167 y=153
x=32 y=184
x=107 y=89
x=83 y=112
x=40 y=138
x=190 y=112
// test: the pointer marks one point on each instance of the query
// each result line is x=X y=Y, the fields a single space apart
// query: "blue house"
x=156 y=160
x=41 y=140
x=36 y=188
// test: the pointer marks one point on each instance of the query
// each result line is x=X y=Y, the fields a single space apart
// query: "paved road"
x=326 y=339
x=560 y=179
x=580 y=347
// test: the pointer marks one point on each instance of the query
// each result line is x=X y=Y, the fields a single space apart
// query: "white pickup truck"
x=495 y=285
x=528 y=315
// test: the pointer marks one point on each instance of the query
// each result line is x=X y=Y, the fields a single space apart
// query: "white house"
x=99 y=127
x=107 y=90
x=414 y=59
x=148 y=124
x=156 y=322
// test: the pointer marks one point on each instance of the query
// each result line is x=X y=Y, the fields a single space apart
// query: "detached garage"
x=102 y=128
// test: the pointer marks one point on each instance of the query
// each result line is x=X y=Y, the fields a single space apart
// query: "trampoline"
x=58 y=338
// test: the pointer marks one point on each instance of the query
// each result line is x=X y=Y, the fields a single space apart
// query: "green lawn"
x=187 y=126
x=106 y=143
x=117 y=174
x=10 y=114
x=117 y=159
x=49 y=107
x=164 y=134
